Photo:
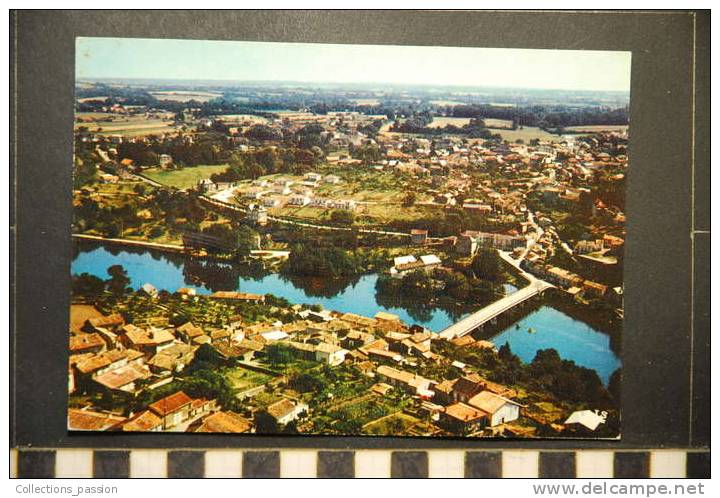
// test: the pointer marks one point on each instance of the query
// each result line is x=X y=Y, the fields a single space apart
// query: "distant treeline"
x=546 y=116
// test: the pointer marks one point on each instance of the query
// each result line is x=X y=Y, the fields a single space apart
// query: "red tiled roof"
x=171 y=403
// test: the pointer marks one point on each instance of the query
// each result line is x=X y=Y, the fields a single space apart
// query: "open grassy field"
x=240 y=118
x=498 y=123
x=443 y=121
x=528 y=133
x=395 y=424
x=368 y=102
x=446 y=102
x=186 y=177
x=130 y=126
x=243 y=378
x=596 y=128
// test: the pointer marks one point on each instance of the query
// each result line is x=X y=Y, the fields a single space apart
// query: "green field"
x=243 y=378
x=395 y=424
x=498 y=123
x=528 y=133
x=443 y=121
x=186 y=177
x=596 y=128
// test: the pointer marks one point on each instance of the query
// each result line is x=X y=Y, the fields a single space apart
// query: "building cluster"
x=108 y=355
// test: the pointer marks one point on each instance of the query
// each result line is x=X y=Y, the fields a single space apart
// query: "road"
x=130 y=242
x=239 y=209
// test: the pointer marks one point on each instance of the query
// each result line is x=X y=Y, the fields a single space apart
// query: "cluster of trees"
x=367 y=153
x=546 y=117
x=202 y=378
x=449 y=221
x=268 y=161
x=487 y=265
x=443 y=287
x=90 y=286
x=306 y=260
x=547 y=372
x=420 y=124
x=239 y=238
x=208 y=148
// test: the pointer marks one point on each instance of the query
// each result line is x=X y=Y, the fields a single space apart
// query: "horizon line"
x=97 y=79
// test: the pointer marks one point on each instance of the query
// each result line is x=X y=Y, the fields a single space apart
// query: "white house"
x=330 y=354
x=587 y=418
x=500 y=410
x=430 y=260
x=299 y=200
x=332 y=179
x=403 y=260
x=150 y=290
x=285 y=411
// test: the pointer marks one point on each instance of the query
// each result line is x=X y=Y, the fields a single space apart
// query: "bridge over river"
x=491 y=311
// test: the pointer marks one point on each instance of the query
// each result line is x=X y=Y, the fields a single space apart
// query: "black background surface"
x=666 y=387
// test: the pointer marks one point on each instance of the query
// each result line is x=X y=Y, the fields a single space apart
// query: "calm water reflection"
x=541 y=329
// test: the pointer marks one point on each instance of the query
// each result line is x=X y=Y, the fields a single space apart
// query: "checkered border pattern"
x=223 y=463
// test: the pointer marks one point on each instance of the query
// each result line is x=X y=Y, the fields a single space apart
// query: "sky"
x=325 y=63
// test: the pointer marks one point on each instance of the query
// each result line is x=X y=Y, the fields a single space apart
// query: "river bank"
x=563 y=328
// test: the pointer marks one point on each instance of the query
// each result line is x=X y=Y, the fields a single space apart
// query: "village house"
x=123 y=378
x=329 y=354
x=257 y=214
x=173 y=409
x=313 y=177
x=410 y=382
x=299 y=200
x=284 y=411
x=165 y=161
x=594 y=289
x=588 y=246
x=418 y=236
x=407 y=264
x=110 y=322
x=186 y=292
x=173 y=359
x=460 y=418
x=222 y=422
x=187 y=332
x=469 y=241
x=499 y=409
x=355 y=339
x=585 y=421
x=149 y=341
x=99 y=364
x=150 y=290
x=144 y=421
x=89 y=420
x=87 y=343
x=238 y=296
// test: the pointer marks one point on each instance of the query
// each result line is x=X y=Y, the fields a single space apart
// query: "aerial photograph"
x=363 y=240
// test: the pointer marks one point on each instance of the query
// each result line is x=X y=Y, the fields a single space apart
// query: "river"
x=549 y=328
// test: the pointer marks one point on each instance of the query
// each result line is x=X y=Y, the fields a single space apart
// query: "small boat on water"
x=531 y=330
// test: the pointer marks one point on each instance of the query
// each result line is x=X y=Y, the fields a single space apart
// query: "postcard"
x=316 y=239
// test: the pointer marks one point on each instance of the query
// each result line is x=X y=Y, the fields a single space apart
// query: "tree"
x=487 y=265
x=342 y=217
x=247 y=240
x=409 y=199
x=279 y=354
x=119 y=283
x=87 y=285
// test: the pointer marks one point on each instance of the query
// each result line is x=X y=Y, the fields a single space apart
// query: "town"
x=455 y=201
